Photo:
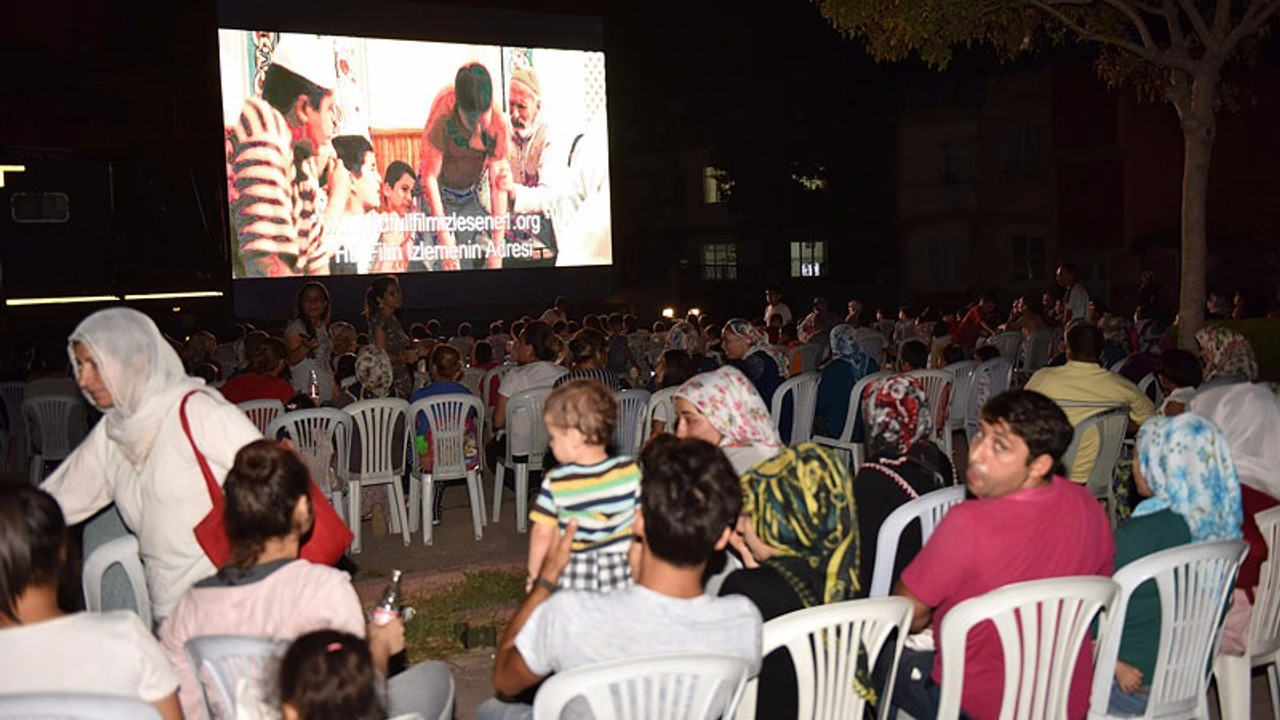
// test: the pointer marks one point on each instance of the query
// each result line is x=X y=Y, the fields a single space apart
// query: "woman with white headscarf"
x=138 y=456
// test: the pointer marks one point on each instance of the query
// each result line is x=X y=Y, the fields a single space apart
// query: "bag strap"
x=215 y=492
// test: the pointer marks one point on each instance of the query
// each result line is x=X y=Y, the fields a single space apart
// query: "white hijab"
x=140 y=370
x=1248 y=415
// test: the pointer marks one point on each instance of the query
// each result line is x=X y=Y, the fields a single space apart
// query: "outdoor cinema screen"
x=364 y=155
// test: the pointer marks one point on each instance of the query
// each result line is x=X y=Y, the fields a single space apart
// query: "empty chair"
x=1110 y=424
x=55 y=426
x=990 y=378
x=1194 y=582
x=1009 y=344
x=322 y=436
x=937 y=385
x=633 y=413
x=1043 y=626
x=963 y=373
x=688 y=686
x=472 y=377
x=826 y=644
x=804 y=391
x=11 y=396
x=446 y=417
x=928 y=510
x=852 y=448
x=525 y=407
x=262 y=412
x=1262 y=644
x=381 y=429
x=222 y=662
x=809 y=353
x=74 y=706
x=122 y=551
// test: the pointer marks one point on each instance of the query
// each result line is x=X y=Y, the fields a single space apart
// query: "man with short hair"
x=913 y=355
x=689 y=502
x=397 y=251
x=974 y=323
x=1075 y=300
x=1083 y=380
x=272 y=166
x=1024 y=523
x=773 y=294
x=555 y=313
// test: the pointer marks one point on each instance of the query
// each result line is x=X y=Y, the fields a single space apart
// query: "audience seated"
x=588 y=358
x=263 y=380
x=1227 y=357
x=1178 y=372
x=445 y=367
x=848 y=365
x=722 y=407
x=747 y=349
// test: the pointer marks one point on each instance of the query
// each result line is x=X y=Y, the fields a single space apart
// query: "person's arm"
x=80 y=483
x=385 y=641
x=500 y=411
x=541 y=535
x=380 y=339
x=297 y=346
x=169 y=707
x=921 y=614
x=511 y=675
x=430 y=163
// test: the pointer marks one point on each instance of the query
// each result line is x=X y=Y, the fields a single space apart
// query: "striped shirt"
x=603 y=375
x=601 y=497
x=274 y=196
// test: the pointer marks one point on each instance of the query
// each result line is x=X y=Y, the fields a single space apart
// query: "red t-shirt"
x=257 y=386
x=966 y=334
x=981 y=545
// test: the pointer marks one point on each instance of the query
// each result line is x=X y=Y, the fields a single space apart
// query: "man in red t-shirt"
x=1025 y=523
x=972 y=324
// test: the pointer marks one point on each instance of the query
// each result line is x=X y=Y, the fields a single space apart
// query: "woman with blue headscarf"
x=848 y=365
x=1186 y=472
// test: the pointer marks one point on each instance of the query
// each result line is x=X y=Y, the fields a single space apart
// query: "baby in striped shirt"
x=599 y=491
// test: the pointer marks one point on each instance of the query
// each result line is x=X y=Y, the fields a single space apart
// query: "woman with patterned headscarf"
x=1143 y=361
x=902 y=465
x=848 y=365
x=723 y=408
x=1227 y=357
x=747 y=348
x=1186 y=472
x=684 y=336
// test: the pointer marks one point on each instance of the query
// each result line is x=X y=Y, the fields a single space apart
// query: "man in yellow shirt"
x=1083 y=380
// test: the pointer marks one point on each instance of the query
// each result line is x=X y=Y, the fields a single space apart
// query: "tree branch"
x=1198 y=24
x=1136 y=19
x=1177 y=39
x=1154 y=56
x=1258 y=13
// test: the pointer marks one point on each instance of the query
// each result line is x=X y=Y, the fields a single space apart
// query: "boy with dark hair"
x=1179 y=374
x=1024 y=523
x=689 y=503
x=913 y=355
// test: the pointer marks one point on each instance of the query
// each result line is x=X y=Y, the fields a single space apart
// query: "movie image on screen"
x=349 y=155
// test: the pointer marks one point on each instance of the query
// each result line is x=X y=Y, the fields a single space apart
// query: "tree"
x=1173 y=50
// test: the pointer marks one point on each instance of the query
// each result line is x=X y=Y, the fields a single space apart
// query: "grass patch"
x=484 y=597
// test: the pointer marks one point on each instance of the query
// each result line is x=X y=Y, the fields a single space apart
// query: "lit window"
x=720 y=261
x=808 y=259
x=717 y=187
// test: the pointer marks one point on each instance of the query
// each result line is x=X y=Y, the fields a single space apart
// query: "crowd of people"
x=721 y=524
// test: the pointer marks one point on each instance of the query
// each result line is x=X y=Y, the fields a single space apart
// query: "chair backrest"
x=809 y=353
x=1009 y=343
x=1042 y=624
x=962 y=370
x=221 y=662
x=75 y=706
x=1151 y=388
x=11 y=396
x=472 y=377
x=124 y=552
x=1115 y=366
x=376 y=423
x=262 y=412
x=1264 y=626
x=446 y=415
x=804 y=391
x=486 y=383
x=1035 y=350
x=929 y=510
x=322 y=436
x=827 y=643
x=1110 y=423
x=990 y=378
x=855 y=402
x=1194 y=583
x=526 y=407
x=633 y=414
x=55 y=424
x=937 y=386
x=688 y=686
x=872 y=343
x=656 y=400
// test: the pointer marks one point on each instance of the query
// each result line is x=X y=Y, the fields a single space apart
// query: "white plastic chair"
x=122 y=551
x=1194 y=582
x=1042 y=625
x=845 y=443
x=262 y=412
x=1009 y=343
x=526 y=407
x=11 y=396
x=1262 y=645
x=809 y=354
x=633 y=410
x=872 y=343
x=1115 y=366
x=472 y=377
x=688 y=686
x=938 y=386
x=997 y=373
x=1147 y=384
x=446 y=415
x=75 y=706
x=962 y=371
x=824 y=643
x=55 y=426
x=929 y=509
x=656 y=400
x=803 y=389
x=376 y=424
x=222 y=662
x=322 y=436
x=1110 y=424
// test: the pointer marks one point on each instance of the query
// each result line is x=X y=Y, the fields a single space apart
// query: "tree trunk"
x=1198 y=127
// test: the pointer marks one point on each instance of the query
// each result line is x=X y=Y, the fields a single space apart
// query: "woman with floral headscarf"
x=1143 y=361
x=1227 y=357
x=902 y=465
x=139 y=456
x=723 y=408
x=848 y=365
x=747 y=348
x=1185 y=471
x=684 y=336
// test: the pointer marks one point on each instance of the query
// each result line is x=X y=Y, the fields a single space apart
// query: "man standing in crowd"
x=974 y=323
x=1075 y=301
x=272 y=164
x=773 y=294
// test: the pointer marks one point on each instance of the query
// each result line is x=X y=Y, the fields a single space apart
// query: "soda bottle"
x=389 y=606
x=313 y=388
